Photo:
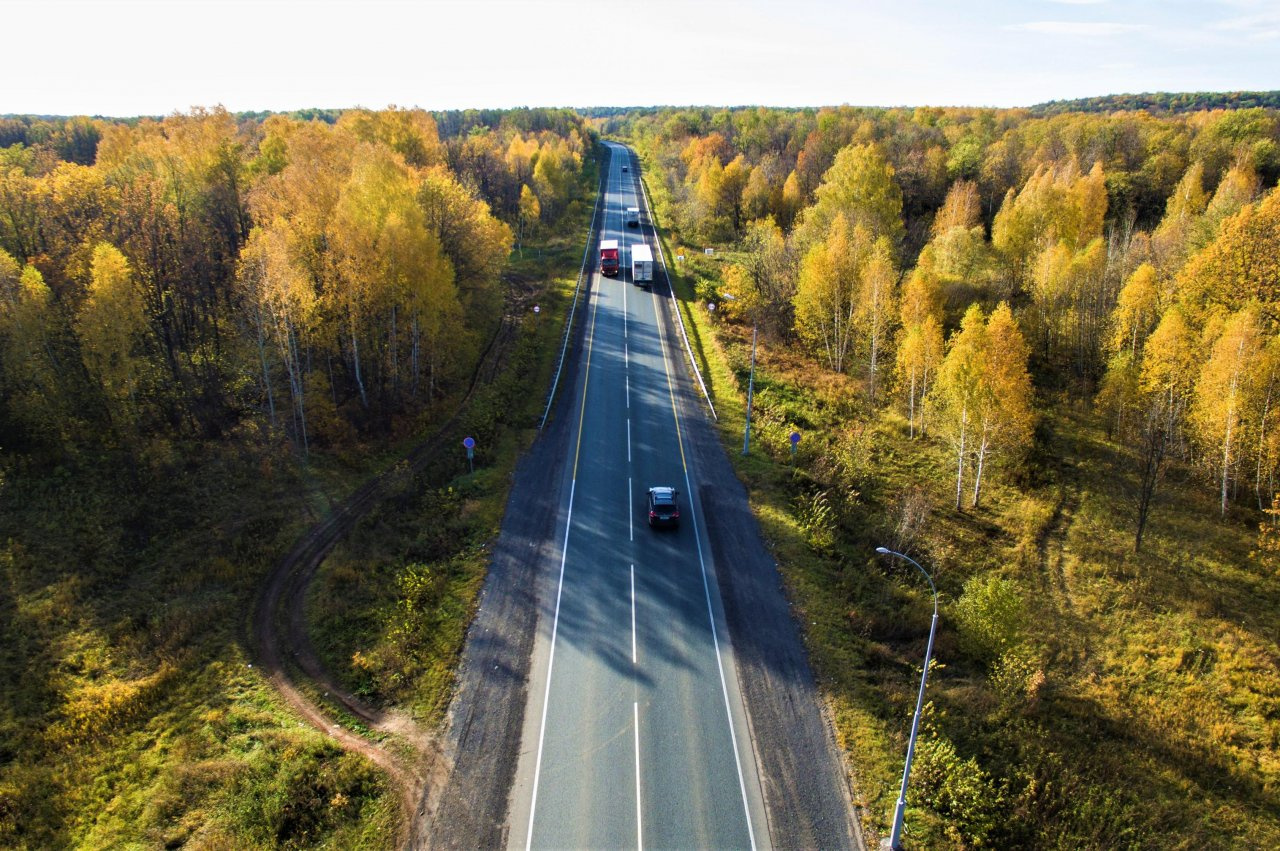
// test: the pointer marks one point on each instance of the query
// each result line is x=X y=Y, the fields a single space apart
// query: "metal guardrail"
x=577 y=289
x=693 y=361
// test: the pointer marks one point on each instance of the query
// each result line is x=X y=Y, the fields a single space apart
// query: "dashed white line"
x=633 y=614
x=628 y=440
x=639 y=823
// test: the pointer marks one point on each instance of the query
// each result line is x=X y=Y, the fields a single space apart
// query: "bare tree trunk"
x=911 y=408
x=924 y=394
x=871 y=378
x=296 y=371
x=982 y=456
x=355 y=357
x=1155 y=441
x=1226 y=466
x=395 y=354
x=1262 y=441
x=262 y=356
x=417 y=336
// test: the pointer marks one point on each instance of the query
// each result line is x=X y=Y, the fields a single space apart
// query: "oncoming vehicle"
x=624 y=168
x=663 y=507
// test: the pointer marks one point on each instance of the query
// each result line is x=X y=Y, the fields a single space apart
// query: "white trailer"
x=641 y=264
x=632 y=217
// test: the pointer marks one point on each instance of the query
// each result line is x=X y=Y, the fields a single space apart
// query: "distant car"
x=664 y=509
x=624 y=168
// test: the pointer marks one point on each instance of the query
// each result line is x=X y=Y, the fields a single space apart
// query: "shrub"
x=958 y=790
x=991 y=616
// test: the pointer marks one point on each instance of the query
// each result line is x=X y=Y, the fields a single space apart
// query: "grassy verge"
x=1083 y=696
x=131 y=714
x=390 y=606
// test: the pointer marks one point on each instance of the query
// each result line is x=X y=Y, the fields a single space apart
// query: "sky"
x=154 y=57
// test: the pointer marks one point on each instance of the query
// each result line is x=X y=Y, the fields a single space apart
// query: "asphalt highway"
x=635 y=733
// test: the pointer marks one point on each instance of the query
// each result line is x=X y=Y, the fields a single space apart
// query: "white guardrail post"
x=675 y=305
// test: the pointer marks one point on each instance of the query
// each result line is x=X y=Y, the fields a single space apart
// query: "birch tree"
x=826 y=299
x=959 y=392
x=920 y=353
x=1165 y=383
x=878 y=279
x=1219 y=413
x=1004 y=419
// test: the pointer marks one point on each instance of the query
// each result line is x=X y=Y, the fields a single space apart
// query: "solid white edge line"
x=551 y=658
x=706 y=589
x=724 y=687
x=639 y=823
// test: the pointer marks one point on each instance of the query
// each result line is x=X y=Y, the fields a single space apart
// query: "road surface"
x=634 y=730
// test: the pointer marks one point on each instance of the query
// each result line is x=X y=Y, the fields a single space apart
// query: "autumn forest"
x=1037 y=349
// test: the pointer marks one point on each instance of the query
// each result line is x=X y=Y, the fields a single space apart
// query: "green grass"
x=132 y=717
x=1130 y=701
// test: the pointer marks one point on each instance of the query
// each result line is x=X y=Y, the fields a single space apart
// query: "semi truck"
x=609 y=257
x=633 y=217
x=641 y=264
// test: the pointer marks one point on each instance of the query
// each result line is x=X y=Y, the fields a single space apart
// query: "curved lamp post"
x=895 y=840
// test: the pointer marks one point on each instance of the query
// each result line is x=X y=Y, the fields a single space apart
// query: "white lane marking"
x=633 y=614
x=631 y=511
x=551 y=658
x=564 y=554
x=624 y=313
x=628 y=440
x=706 y=588
x=628 y=377
x=639 y=826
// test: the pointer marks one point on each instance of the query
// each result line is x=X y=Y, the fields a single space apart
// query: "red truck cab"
x=609 y=257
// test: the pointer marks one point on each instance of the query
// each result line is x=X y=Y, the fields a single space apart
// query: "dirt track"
x=284 y=654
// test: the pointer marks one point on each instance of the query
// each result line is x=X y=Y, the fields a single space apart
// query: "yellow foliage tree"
x=826 y=299
x=1220 y=410
x=960 y=393
x=110 y=325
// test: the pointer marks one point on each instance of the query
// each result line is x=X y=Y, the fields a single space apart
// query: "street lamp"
x=895 y=839
x=751 y=381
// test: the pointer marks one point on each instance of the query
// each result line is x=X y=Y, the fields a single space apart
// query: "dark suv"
x=663 y=508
